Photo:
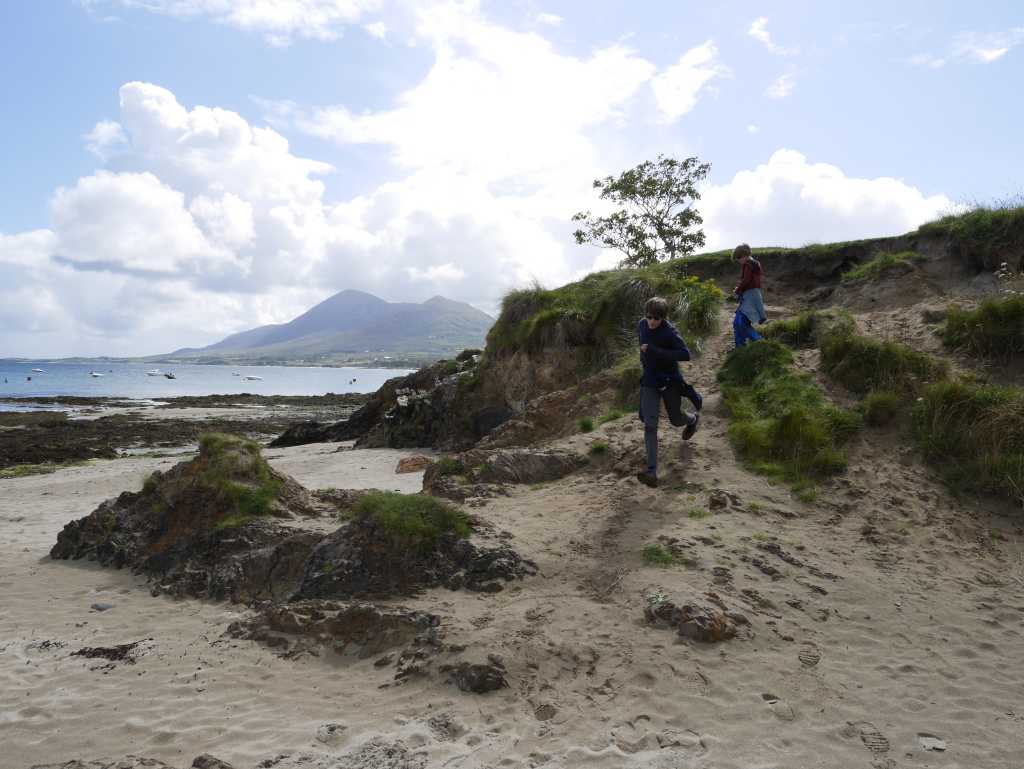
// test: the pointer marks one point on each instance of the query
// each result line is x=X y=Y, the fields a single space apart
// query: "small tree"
x=656 y=220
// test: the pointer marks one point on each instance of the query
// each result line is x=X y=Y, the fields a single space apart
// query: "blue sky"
x=176 y=170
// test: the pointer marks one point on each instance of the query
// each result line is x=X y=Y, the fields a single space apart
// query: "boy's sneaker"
x=648 y=479
x=691 y=428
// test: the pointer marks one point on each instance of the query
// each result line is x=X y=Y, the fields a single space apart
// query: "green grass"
x=450 y=466
x=983 y=235
x=598 y=449
x=235 y=468
x=862 y=364
x=995 y=329
x=416 y=521
x=880 y=407
x=697 y=513
x=43 y=468
x=797 y=331
x=598 y=314
x=781 y=423
x=880 y=265
x=656 y=555
x=611 y=416
x=973 y=435
x=586 y=424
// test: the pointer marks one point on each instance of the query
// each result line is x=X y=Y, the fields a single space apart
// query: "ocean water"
x=129 y=380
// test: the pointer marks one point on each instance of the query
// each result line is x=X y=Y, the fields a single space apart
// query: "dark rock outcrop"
x=362 y=560
x=483 y=473
x=479 y=678
x=185 y=529
x=359 y=629
x=704 y=621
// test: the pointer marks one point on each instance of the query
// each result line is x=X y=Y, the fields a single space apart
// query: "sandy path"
x=886 y=616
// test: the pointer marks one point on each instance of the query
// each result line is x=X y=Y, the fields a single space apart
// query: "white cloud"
x=27 y=249
x=987 y=48
x=279 y=21
x=377 y=29
x=106 y=138
x=550 y=19
x=445 y=273
x=132 y=221
x=759 y=31
x=782 y=87
x=973 y=46
x=789 y=202
x=752 y=129
x=676 y=89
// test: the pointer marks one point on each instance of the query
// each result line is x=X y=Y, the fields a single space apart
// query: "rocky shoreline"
x=106 y=428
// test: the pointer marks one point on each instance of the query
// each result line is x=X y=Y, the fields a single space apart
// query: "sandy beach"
x=885 y=628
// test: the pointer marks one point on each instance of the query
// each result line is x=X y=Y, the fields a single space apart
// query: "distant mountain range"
x=354 y=327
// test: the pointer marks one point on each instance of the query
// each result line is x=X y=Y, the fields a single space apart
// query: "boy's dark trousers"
x=671 y=395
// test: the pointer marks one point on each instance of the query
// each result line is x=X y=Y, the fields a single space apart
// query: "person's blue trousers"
x=743 y=330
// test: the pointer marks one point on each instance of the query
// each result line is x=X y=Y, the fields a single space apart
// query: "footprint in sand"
x=782 y=710
x=873 y=739
x=810 y=655
x=931 y=742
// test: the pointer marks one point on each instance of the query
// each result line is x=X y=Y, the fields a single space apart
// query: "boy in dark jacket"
x=661 y=350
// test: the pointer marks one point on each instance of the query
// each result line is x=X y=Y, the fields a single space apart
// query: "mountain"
x=352 y=325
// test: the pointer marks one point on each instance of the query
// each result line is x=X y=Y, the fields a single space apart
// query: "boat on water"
x=38 y=371
x=169 y=375
x=252 y=378
x=155 y=372
x=95 y=374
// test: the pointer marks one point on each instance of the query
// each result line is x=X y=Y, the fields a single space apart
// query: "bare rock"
x=206 y=761
x=356 y=629
x=189 y=531
x=707 y=621
x=413 y=464
x=128 y=762
x=479 y=678
x=364 y=560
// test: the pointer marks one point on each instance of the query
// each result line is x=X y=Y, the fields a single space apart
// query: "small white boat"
x=235 y=373
x=252 y=378
x=155 y=372
x=38 y=371
x=95 y=374
x=170 y=375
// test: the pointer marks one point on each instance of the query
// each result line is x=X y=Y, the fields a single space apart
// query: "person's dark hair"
x=656 y=307
x=740 y=251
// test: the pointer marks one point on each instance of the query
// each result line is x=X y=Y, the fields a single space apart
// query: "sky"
x=174 y=171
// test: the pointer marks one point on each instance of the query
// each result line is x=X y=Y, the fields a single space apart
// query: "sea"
x=130 y=380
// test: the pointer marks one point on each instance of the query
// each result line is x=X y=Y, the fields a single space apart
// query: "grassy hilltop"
x=793 y=423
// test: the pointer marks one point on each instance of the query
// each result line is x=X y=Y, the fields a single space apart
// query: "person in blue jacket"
x=661 y=350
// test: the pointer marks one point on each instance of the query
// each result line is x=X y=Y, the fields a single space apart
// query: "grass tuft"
x=862 y=364
x=974 y=435
x=983 y=235
x=598 y=448
x=880 y=265
x=656 y=555
x=450 y=466
x=416 y=521
x=586 y=424
x=880 y=407
x=235 y=468
x=781 y=422
x=611 y=416
x=995 y=329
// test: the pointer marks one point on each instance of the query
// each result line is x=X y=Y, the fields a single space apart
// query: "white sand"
x=921 y=635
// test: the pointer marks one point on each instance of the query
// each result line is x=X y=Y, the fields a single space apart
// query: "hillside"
x=353 y=326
